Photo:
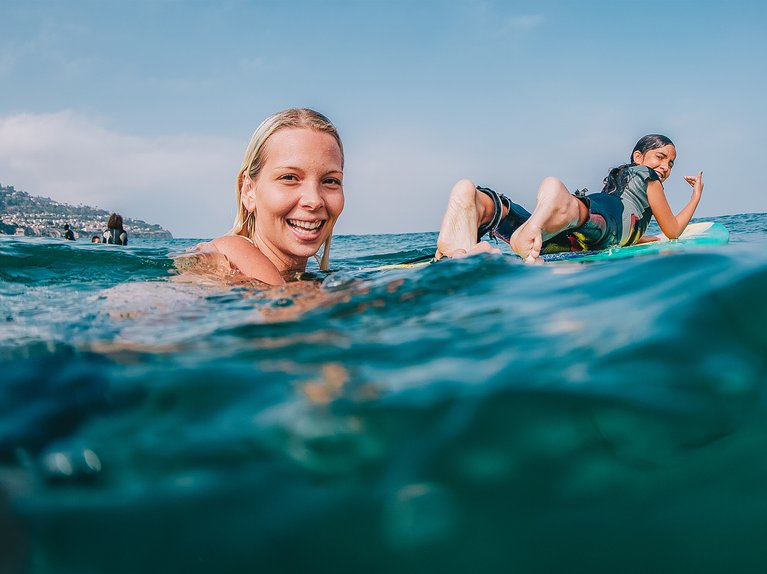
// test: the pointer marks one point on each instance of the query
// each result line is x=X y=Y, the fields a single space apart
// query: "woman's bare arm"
x=672 y=225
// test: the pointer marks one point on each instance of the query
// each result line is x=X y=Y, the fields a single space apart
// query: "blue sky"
x=145 y=107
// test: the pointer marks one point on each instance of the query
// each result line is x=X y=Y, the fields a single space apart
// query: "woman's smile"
x=308 y=229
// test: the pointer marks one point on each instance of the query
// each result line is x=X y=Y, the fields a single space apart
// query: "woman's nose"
x=311 y=196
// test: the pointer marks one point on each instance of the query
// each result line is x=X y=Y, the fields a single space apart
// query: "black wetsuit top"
x=115 y=236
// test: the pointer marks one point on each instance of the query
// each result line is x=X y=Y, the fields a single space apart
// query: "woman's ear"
x=637 y=156
x=247 y=192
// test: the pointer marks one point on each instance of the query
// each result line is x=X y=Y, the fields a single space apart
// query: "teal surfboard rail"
x=695 y=235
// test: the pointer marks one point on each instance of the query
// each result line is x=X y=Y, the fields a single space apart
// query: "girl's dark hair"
x=615 y=179
x=115 y=221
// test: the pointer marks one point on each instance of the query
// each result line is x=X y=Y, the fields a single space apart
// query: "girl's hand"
x=696 y=183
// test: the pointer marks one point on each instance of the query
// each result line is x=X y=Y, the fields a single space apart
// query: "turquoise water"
x=477 y=415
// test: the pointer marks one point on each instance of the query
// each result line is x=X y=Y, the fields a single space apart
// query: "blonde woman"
x=289 y=194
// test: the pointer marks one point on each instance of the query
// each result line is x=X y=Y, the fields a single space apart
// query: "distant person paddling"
x=68 y=233
x=115 y=234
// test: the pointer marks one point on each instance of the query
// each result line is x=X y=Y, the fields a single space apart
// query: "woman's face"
x=660 y=159
x=298 y=195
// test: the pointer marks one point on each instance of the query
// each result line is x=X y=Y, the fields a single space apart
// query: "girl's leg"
x=467 y=209
x=555 y=211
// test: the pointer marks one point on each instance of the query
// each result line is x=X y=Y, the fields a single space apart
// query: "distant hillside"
x=24 y=214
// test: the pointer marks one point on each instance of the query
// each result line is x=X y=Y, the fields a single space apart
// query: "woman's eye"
x=332 y=181
x=289 y=177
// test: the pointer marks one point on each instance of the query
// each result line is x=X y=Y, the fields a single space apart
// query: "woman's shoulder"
x=231 y=242
x=247 y=258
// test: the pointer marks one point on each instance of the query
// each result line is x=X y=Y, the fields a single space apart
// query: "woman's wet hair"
x=115 y=221
x=255 y=157
x=615 y=179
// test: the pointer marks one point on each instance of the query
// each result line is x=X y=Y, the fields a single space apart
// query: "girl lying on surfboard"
x=561 y=221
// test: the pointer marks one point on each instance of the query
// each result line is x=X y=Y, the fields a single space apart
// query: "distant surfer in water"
x=115 y=234
x=289 y=194
x=561 y=221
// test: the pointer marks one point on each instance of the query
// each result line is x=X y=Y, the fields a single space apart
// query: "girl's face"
x=660 y=159
x=298 y=195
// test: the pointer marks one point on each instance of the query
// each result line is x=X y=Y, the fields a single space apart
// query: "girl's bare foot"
x=458 y=233
x=556 y=210
x=527 y=242
x=481 y=247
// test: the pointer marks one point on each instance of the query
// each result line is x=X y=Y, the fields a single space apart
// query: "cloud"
x=181 y=182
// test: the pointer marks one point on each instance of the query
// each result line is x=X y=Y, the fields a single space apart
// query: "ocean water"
x=476 y=415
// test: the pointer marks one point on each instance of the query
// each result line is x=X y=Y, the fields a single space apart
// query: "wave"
x=466 y=415
x=44 y=262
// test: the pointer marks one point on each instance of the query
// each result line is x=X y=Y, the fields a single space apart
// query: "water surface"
x=476 y=415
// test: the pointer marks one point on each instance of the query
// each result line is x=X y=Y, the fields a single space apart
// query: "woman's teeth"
x=305 y=225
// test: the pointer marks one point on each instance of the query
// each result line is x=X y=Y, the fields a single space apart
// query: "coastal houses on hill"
x=24 y=214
